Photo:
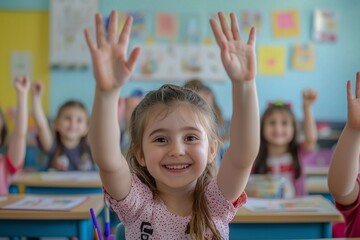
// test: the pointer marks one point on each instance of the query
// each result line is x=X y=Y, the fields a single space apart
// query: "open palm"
x=238 y=58
x=111 y=67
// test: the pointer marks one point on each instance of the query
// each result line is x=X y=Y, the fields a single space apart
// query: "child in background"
x=344 y=176
x=68 y=150
x=280 y=153
x=12 y=162
x=168 y=190
x=126 y=107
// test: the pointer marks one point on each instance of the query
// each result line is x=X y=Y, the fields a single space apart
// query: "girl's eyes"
x=160 y=140
x=191 y=138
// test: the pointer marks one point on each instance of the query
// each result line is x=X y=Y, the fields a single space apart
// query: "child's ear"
x=140 y=158
x=213 y=150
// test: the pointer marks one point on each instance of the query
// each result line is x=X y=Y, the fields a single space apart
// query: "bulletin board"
x=23 y=31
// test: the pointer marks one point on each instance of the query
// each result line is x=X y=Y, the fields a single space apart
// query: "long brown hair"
x=260 y=165
x=169 y=96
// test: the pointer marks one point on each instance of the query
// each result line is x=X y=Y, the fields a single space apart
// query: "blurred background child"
x=13 y=161
x=126 y=107
x=280 y=152
x=68 y=149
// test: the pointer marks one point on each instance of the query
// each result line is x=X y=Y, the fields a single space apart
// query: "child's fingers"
x=348 y=91
x=219 y=36
x=100 y=31
x=125 y=33
x=235 y=27
x=89 y=40
x=133 y=58
x=112 y=30
x=357 y=87
x=225 y=27
x=252 y=36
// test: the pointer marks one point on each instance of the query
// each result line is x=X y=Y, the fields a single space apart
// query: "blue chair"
x=120 y=232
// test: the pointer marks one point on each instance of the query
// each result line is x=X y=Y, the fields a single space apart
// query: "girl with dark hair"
x=68 y=150
x=280 y=153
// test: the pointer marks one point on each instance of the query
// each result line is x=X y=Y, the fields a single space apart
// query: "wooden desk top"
x=328 y=213
x=82 y=211
x=317 y=184
x=59 y=179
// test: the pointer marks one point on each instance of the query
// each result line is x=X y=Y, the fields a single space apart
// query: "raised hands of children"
x=22 y=84
x=37 y=88
x=111 y=66
x=238 y=57
x=354 y=104
x=309 y=96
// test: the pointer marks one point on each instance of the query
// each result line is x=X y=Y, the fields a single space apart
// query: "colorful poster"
x=285 y=23
x=250 y=19
x=166 y=26
x=272 y=60
x=179 y=62
x=138 y=27
x=325 y=26
x=68 y=19
x=303 y=57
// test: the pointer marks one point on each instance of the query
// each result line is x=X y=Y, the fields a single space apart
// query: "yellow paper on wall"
x=272 y=60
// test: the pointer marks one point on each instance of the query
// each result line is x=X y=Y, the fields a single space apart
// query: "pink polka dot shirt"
x=147 y=218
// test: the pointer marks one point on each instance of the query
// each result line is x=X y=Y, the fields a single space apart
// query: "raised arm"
x=17 y=145
x=310 y=130
x=112 y=69
x=41 y=122
x=239 y=61
x=344 y=166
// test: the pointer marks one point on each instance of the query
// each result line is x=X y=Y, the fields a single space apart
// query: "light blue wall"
x=335 y=63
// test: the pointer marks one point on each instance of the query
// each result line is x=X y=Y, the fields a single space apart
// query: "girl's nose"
x=177 y=149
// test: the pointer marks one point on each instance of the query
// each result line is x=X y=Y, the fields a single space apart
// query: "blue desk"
x=45 y=223
x=286 y=225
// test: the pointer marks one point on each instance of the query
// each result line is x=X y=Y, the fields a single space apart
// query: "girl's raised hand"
x=354 y=104
x=37 y=88
x=309 y=96
x=109 y=57
x=238 y=58
x=22 y=84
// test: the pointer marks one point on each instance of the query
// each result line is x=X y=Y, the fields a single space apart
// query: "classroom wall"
x=335 y=62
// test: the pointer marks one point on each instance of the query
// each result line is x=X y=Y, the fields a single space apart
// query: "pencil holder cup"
x=265 y=186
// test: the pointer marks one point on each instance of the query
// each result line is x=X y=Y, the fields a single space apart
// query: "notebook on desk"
x=46 y=203
x=282 y=205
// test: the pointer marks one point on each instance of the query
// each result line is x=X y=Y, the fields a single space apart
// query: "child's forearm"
x=104 y=132
x=17 y=145
x=245 y=124
x=310 y=130
x=42 y=125
x=344 y=166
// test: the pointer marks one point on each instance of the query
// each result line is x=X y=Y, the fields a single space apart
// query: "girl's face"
x=175 y=148
x=72 y=123
x=278 y=128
